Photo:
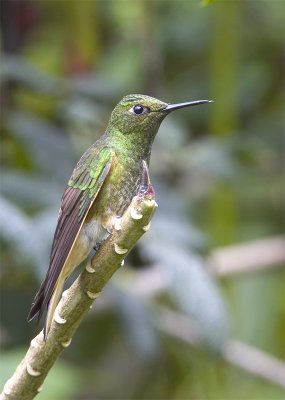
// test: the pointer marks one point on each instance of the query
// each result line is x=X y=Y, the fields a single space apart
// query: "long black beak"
x=172 y=107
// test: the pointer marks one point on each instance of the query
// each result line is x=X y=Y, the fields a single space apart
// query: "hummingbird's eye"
x=138 y=109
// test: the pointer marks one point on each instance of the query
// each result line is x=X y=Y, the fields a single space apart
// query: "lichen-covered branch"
x=30 y=374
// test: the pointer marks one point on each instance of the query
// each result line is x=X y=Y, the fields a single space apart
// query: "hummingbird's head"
x=137 y=113
x=141 y=114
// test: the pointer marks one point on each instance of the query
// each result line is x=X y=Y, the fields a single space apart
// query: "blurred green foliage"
x=217 y=170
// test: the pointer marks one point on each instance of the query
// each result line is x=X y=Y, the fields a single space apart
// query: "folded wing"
x=83 y=188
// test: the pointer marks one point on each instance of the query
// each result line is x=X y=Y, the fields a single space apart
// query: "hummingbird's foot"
x=146 y=189
x=109 y=231
x=96 y=247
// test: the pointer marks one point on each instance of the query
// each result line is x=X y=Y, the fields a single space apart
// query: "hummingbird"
x=101 y=187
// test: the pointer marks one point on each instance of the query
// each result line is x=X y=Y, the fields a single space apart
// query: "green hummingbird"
x=101 y=187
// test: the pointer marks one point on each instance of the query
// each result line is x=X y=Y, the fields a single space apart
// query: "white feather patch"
x=117 y=224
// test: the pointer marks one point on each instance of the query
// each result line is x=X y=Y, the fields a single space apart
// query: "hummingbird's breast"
x=117 y=192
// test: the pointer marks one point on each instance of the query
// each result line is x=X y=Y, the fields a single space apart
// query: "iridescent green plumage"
x=102 y=185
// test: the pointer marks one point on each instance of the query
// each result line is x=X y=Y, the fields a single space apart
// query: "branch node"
x=34 y=343
x=146 y=228
x=7 y=388
x=92 y=295
x=58 y=318
x=39 y=389
x=120 y=250
x=151 y=203
x=31 y=371
x=89 y=268
x=135 y=214
x=66 y=344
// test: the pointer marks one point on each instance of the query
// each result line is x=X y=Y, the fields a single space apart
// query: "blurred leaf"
x=16 y=228
x=47 y=144
x=28 y=190
x=136 y=323
x=30 y=237
x=16 y=68
x=207 y=2
x=168 y=244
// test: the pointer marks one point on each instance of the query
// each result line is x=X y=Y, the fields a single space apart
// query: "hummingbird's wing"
x=83 y=188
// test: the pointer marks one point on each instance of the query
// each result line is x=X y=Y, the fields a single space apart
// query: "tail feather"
x=44 y=301
x=53 y=304
x=38 y=304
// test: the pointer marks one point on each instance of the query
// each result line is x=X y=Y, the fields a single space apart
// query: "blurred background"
x=198 y=311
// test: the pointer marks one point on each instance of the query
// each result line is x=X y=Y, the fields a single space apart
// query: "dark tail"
x=39 y=304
